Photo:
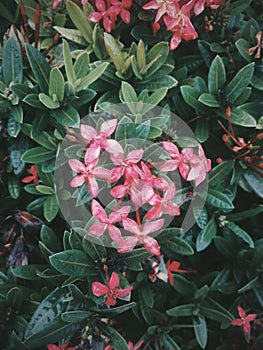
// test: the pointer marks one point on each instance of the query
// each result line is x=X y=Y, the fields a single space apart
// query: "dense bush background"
x=47 y=269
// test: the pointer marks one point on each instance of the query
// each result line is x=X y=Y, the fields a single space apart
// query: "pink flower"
x=174 y=267
x=200 y=5
x=171 y=164
x=62 y=347
x=122 y=7
x=107 y=222
x=244 y=320
x=99 y=140
x=33 y=177
x=141 y=236
x=149 y=181
x=123 y=164
x=107 y=15
x=198 y=165
x=88 y=173
x=164 y=7
x=110 y=290
x=181 y=25
x=163 y=205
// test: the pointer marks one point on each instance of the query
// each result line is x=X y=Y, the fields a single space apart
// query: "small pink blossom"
x=107 y=222
x=88 y=173
x=141 y=236
x=99 y=140
x=199 y=5
x=163 y=205
x=33 y=177
x=171 y=164
x=110 y=290
x=122 y=7
x=244 y=320
x=163 y=7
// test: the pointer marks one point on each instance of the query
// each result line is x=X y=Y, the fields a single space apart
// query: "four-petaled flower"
x=199 y=5
x=107 y=222
x=163 y=7
x=99 y=140
x=33 y=177
x=141 y=233
x=110 y=290
x=88 y=173
x=163 y=205
x=244 y=320
x=174 y=266
x=62 y=347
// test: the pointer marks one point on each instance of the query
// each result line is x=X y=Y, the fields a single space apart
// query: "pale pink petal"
x=199 y=7
x=188 y=32
x=95 y=17
x=112 y=147
x=92 y=153
x=136 y=196
x=88 y=132
x=134 y=156
x=93 y=186
x=147 y=192
x=100 y=4
x=169 y=193
x=99 y=289
x=175 y=40
x=171 y=149
x=127 y=244
x=241 y=312
x=102 y=172
x=152 y=226
x=151 y=245
x=119 y=191
x=154 y=213
x=122 y=292
x=119 y=214
x=170 y=165
x=108 y=127
x=125 y=16
x=246 y=327
x=98 y=212
x=237 y=322
x=76 y=165
x=78 y=181
x=151 y=5
x=131 y=226
x=97 y=229
x=160 y=183
x=172 y=209
x=116 y=173
x=114 y=280
x=183 y=168
x=115 y=233
x=251 y=317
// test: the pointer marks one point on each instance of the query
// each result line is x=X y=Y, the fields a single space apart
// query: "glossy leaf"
x=12 y=65
x=216 y=76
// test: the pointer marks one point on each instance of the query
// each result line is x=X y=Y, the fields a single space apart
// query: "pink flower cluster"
x=132 y=178
x=108 y=12
x=176 y=16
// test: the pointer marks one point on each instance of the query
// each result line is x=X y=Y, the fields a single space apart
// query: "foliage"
x=183 y=289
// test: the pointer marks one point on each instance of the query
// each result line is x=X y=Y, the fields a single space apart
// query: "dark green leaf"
x=12 y=65
x=67 y=116
x=116 y=340
x=180 y=246
x=181 y=310
x=200 y=329
x=240 y=233
x=209 y=232
x=51 y=207
x=37 y=155
x=216 y=76
x=219 y=200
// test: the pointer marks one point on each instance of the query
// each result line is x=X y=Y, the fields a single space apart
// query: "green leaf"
x=135 y=258
x=183 y=286
x=255 y=182
x=71 y=262
x=181 y=310
x=29 y=272
x=238 y=6
x=68 y=63
x=200 y=329
x=81 y=65
x=180 y=246
x=209 y=232
x=94 y=75
x=243 y=46
x=14 y=186
x=209 y=100
x=13 y=127
x=33 y=101
x=216 y=76
x=116 y=340
x=12 y=65
x=39 y=66
x=67 y=116
x=140 y=55
x=239 y=82
x=219 y=200
x=114 y=52
x=202 y=130
x=75 y=316
x=15 y=298
x=156 y=97
x=48 y=102
x=215 y=315
x=71 y=34
x=156 y=57
x=169 y=343
x=95 y=251
x=246 y=214
x=190 y=95
x=129 y=96
x=56 y=85
x=45 y=189
x=37 y=155
x=240 y=233
x=219 y=172
x=51 y=208
x=80 y=20
x=113 y=311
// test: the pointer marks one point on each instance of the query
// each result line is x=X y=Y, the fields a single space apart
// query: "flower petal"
x=88 y=132
x=115 y=233
x=131 y=226
x=76 y=165
x=114 y=281
x=78 y=181
x=152 y=226
x=118 y=215
x=151 y=245
x=108 y=127
x=98 y=212
x=97 y=229
x=99 y=289
x=127 y=244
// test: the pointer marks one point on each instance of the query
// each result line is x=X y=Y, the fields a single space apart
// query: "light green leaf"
x=68 y=63
x=48 y=102
x=56 y=84
x=38 y=155
x=114 y=52
x=209 y=100
x=94 y=75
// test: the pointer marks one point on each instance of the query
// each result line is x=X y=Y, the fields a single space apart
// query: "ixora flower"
x=163 y=205
x=163 y=7
x=33 y=177
x=174 y=266
x=141 y=233
x=244 y=320
x=88 y=172
x=110 y=290
x=107 y=222
x=99 y=140
x=62 y=347
x=199 y=5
